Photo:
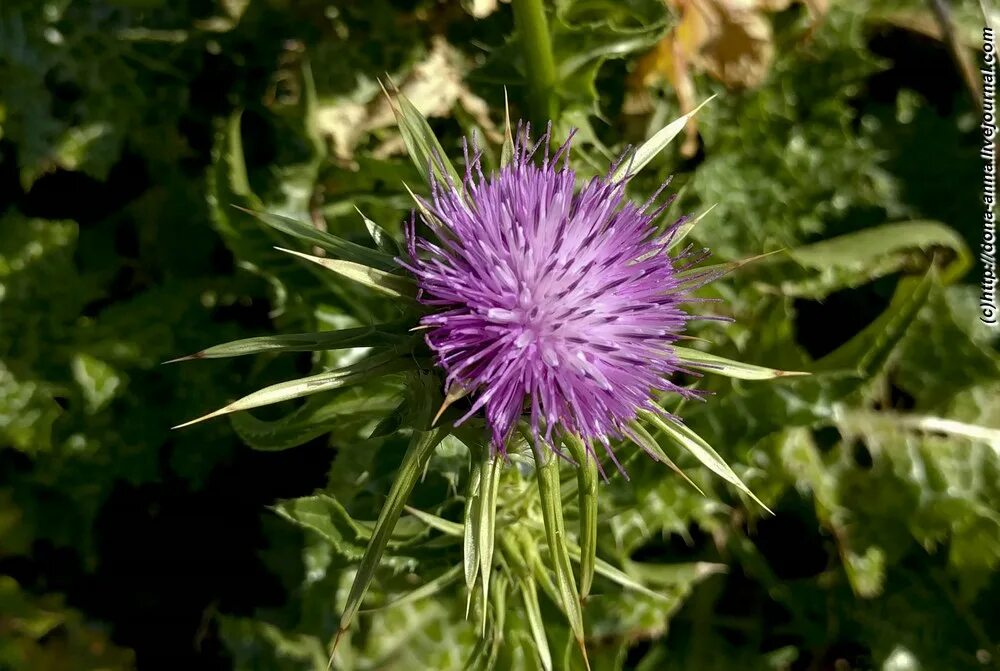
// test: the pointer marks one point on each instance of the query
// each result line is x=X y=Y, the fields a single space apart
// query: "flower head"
x=551 y=300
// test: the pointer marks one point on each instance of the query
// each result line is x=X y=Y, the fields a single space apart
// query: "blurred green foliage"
x=128 y=129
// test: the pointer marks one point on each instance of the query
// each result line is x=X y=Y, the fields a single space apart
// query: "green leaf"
x=854 y=259
x=648 y=150
x=622 y=578
x=529 y=596
x=547 y=477
x=507 y=150
x=396 y=286
x=379 y=335
x=644 y=439
x=806 y=401
x=430 y=588
x=685 y=229
x=353 y=407
x=470 y=529
x=421 y=144
x=313 y=384
x=587 y=33
x=99 y=382
x=382 y=239
x=487 y=519
x=867 y=351
x=337 y=246
x=702 y=451
x=325 y=516
x=586 y=478
x=419 y=452
x=434 y=522
x=711 y=363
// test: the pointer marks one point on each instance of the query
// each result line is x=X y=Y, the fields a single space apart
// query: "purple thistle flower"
x=558 y=302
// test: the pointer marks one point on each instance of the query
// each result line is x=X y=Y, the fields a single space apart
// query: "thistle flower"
x=539 y=298
x=545 y=299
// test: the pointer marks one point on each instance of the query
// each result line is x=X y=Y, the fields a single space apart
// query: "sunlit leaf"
x=338 y=247
x=313 y=384
x=701 y=450
x=379 y=335
x=393 y=285
x=647 y=151
x=711 y=363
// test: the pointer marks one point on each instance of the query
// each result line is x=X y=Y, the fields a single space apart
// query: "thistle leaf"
x=530 y=597
x=317 y=416
x=685 y=229
x=702 y=451
x=430 y=588
x=385 y=242
x=337 y=246
x=422 y=145
x=646 y=441
x=816 y=270
x=866 y=352
x=420 y=449
x=313 y=384
x=711 y=363
x=586 y=477
x=654 y=145
x=487 y=521
x=434 y=522
x=325 y=516
x=507 y=150
x=393 y=285
x=470 y=530
x=616 y=575
x=380 y=335
x=547 y=475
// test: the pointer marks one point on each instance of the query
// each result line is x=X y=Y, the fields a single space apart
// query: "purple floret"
x=548 y=300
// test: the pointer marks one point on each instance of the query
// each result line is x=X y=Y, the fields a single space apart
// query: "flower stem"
x=539 y=64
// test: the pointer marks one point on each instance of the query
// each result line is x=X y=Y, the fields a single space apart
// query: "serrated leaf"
x=710 y=363
x=325 y=516
x=854 y=259
x=702 y=451
x=396 y=286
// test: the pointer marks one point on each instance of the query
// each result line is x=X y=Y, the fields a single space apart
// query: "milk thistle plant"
x=542 y=322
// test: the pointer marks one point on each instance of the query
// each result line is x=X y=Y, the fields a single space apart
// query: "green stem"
x=539 y=64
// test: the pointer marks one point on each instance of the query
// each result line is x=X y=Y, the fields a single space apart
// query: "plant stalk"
x=539 y=63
